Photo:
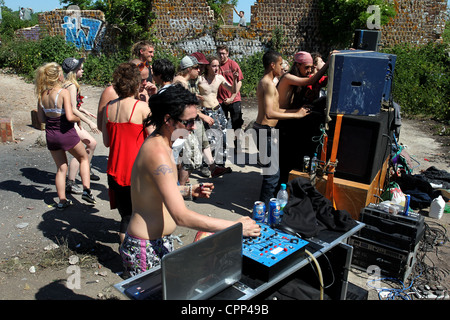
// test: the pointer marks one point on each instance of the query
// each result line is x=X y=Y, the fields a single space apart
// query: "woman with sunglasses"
x=123 y=132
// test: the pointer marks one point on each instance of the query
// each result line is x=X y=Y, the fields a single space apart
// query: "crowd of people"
x=157 y=124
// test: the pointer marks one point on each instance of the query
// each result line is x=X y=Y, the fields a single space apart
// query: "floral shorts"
x=139 y=255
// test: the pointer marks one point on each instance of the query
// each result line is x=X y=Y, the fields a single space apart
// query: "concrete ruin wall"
x=180 y=25
x=189 y=26
x=417 y=22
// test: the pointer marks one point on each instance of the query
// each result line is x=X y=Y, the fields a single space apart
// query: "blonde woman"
x=73 y=69
x=55 y=110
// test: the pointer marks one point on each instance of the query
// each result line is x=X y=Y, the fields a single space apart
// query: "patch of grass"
x=55 y=258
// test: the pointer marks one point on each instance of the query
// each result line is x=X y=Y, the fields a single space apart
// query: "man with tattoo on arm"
x=157 y=200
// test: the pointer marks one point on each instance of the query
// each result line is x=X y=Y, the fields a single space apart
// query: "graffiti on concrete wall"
x=82 y=31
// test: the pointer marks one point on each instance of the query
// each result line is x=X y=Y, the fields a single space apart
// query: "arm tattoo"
x=163 y=169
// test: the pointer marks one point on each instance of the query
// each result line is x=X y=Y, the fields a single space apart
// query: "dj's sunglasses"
x=190 y=122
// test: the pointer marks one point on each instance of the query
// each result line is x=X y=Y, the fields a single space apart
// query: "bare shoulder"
x=142 y=105
x=154 y=154
x=267 y=84
x=65 y=93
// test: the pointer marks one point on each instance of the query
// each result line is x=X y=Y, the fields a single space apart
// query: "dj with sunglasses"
x=158 y=204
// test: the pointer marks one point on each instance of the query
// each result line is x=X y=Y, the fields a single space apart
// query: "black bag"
x=307 y=212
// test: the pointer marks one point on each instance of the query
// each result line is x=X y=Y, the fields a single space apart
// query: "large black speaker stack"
x=359 y=85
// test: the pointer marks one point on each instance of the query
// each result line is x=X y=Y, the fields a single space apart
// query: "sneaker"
x=94 y=177
x=63 y=205
x=87 y=196
x=219 y=171
x=72 y=187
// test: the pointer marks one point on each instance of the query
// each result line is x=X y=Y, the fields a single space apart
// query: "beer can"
x=306 y=160
x=274 y=212
x=259 y=211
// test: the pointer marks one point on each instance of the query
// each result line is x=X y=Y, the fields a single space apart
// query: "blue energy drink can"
x=259 y=211
x=274 y=212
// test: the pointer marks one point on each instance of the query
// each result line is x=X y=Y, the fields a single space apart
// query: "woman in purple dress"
x=55 y=110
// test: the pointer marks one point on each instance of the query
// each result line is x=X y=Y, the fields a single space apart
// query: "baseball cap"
x=200 y=57
x=187 y=62
x=71 y=64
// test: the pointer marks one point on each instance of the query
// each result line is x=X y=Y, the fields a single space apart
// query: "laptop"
x=196 y=271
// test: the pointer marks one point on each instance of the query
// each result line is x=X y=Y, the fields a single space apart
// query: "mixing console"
x=267 y=254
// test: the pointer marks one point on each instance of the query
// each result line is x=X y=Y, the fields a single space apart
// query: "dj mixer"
x=266 y=255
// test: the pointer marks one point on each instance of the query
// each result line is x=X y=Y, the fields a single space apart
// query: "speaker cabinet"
x=359 y=82
x=364 y=145
x=366 y=39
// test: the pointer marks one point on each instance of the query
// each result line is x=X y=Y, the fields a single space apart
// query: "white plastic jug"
x=437 y=208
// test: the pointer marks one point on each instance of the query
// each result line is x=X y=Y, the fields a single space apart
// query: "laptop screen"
x=196 y=271
x=201 y=269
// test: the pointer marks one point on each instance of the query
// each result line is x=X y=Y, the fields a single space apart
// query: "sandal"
x=63 y=205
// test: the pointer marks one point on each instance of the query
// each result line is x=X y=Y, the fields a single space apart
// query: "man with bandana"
x=296 y=134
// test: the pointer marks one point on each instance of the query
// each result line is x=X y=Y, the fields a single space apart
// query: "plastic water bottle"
x=282 y=197
x=314 y=161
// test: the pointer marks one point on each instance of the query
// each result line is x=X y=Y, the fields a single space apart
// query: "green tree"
x=340 y=18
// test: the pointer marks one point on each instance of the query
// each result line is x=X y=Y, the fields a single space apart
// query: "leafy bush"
x=253 y=70
x=26 y=56
x=98 y=70
x=422 y=79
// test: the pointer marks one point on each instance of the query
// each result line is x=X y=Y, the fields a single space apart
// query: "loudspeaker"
x=366 y=39
x=359 y=82
x=364 y=145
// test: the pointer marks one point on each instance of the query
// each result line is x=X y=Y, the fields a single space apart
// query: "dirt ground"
x=29 y=223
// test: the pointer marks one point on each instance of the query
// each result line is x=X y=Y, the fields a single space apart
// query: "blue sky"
x=37 y=6
x=49 y=5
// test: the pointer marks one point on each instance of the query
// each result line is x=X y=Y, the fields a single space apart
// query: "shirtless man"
x=294 y=93
x=298 y=76
x=269 y=112
x=158 y=205
x=209 y=85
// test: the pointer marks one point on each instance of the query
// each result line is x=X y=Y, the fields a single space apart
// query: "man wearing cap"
x=191 y=156
x=230 y=102
x=296 y=135
x=192 y=150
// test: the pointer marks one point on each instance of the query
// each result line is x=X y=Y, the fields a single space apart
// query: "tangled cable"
x=423 y=274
